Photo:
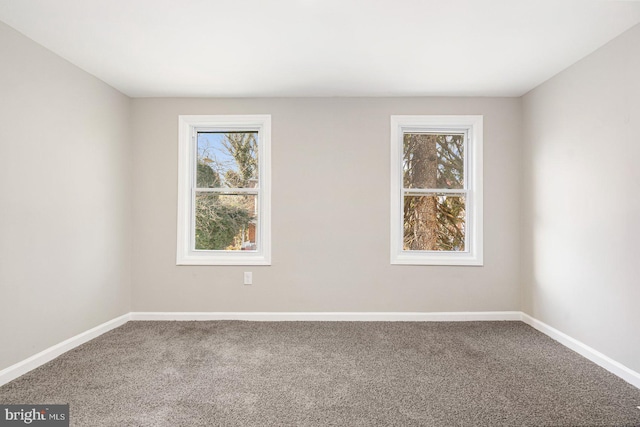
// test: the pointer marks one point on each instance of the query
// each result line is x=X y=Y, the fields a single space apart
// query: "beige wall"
x=581 y=184
x=330 y=212
x=65 y=210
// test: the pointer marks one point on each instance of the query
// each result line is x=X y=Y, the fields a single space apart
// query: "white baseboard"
x=39 y=359
x=21 y=368
x=332 y=316
x=616 y=368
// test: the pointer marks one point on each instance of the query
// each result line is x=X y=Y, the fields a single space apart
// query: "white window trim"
x=473 y=125
x=187 y=128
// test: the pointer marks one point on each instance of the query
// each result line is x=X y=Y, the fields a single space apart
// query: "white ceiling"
x=150 y=48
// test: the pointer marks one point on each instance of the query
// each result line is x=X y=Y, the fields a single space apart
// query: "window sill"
x=232 y=259
x=422 y=258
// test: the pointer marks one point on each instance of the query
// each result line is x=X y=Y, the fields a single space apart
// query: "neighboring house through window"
x=436 y=190
x=224 y=190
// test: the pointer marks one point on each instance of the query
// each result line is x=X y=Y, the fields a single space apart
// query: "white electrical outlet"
x=248 y=278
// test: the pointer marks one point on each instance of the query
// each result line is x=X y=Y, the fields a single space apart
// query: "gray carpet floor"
x=233 y=373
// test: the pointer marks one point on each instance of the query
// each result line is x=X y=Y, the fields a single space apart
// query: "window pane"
x=226 y=221
x=434 y=223
x=227 y=160
x=433 y=160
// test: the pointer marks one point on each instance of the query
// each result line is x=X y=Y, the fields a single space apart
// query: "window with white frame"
x=436 y=190
x=224 y=199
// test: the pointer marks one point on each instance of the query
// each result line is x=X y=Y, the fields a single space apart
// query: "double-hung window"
x=224 y=190
x=436 y=190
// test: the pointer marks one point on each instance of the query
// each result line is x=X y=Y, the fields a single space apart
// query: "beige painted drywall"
x=582 y=211
x=330 y=212
x=65 y=209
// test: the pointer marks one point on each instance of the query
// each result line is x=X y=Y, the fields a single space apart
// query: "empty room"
x=319 y=213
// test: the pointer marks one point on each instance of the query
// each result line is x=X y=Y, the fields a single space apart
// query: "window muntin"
x=436 y=216
x=224 y=186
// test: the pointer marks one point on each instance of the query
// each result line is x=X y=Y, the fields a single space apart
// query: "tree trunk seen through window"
x=421 y=211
